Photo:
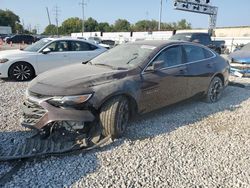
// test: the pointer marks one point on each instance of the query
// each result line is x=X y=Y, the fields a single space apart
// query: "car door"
x=200 y=67
x=57 y=57
x=166 y=85
x=81 y=51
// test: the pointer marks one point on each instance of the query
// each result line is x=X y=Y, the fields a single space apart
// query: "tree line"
x=74 y=25
x=9 y=18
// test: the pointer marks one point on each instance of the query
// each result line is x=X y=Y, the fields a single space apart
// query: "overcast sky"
x=33 y=12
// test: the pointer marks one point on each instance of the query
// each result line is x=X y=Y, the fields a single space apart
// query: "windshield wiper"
x=87 y=63
x=106 y=65
x=136 y=55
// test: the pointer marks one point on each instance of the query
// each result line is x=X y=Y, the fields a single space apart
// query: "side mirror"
x=46 y=51
x=196 y=41
x=158 y=65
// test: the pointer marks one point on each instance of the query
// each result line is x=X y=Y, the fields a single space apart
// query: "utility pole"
x=56 y=10
x=160 y=15
x=48 y=15
x=83 y=16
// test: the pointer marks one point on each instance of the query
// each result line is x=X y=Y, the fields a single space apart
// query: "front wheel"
x=21 y=71
x=114 y=116
x=215 y=89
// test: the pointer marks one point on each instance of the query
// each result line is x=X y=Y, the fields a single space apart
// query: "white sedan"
x=48 y=53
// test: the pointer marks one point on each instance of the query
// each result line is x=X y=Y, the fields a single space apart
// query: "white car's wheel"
x=21 y=71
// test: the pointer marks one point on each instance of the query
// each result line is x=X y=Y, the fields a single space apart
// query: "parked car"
x=202 y=38
x=6 y=37
x=27 y=39
x=3 y=36
x=131 y=78
x=104 y=43
x=39 y=37
x=109 y=43
x=240 y=60
x=95 y=40
x=48 y=53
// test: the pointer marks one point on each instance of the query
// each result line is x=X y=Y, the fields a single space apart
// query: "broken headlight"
x=68 y=101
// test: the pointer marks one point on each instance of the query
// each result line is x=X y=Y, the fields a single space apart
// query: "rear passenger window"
x=208 y=53
x=194 y=53
x=82 y=46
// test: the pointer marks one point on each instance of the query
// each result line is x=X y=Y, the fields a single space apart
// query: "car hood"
x=14 y=53
x=240 y=56
x=73 y=80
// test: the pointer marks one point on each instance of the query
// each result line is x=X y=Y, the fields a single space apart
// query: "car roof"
x=159 y=43
x=64 y=38
x=191 y=33
x=70 y=39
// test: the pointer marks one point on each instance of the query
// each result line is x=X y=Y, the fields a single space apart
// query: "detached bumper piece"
x=240 y=69
x=53 y=146
x=35 y=147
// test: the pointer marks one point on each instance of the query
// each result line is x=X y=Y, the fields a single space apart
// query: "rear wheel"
x=215 y=90
x=21 y=71
x=114 y=116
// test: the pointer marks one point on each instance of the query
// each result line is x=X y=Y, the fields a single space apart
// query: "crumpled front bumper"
x=37 y=115
x=242 y=68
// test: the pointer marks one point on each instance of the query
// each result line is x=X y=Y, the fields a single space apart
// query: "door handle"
x=183 y=71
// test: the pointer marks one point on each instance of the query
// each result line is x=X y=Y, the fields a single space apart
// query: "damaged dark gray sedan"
x=129 y=79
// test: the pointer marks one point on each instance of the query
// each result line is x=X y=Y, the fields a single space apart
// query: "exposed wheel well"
x=132 y=103
x=21 y=62
x=221 y=77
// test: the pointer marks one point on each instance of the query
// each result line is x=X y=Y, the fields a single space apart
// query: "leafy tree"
x=122 y=25
x=146 y=25
x=8 y=18
x=34 y=31
x=104 y=27
x=183 y=24
x=90 y=25
x=71 y=25
x=50 y=30
x=19 y=28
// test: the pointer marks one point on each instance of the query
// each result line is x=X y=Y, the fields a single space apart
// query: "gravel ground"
x=191 y=144
x=11 y=47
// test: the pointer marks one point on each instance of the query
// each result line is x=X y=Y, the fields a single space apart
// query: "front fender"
x=127 y=86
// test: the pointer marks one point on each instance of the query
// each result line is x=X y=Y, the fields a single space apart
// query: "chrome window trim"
x=214 y=55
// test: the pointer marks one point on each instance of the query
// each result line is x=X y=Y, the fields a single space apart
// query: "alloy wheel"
x=22 y=72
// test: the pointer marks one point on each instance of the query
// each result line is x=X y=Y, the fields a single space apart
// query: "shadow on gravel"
x=4 y=80
x=67 y=170
x=184 y=113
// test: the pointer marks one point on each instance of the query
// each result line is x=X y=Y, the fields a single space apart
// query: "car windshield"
x=184 y=37
x=124 y=56
x=37 y=46
x=246 y=47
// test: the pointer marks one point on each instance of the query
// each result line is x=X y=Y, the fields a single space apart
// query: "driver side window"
x=171 y=56
x=59 y=46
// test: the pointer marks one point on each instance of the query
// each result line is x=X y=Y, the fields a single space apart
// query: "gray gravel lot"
x=6 y=46
x=191 y=144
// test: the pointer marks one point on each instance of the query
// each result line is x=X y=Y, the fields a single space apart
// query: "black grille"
x=32 y=113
